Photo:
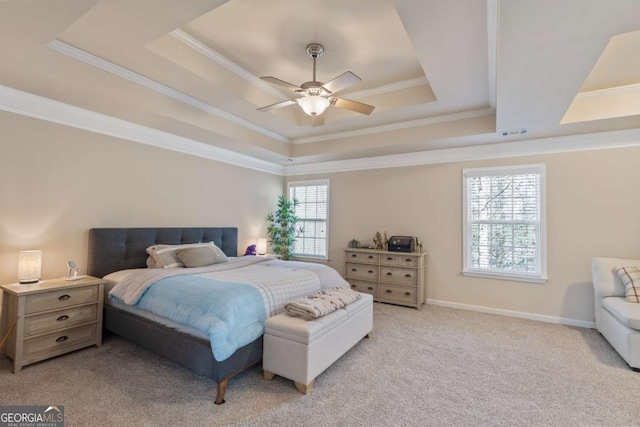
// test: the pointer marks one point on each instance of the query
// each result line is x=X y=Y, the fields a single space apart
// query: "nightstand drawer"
x=365 y=287
x=360 y=271
x=59 y=341
x=53 y=300
x=362 y=257
x=401 y=276
x=60 y=319
x=398 y=294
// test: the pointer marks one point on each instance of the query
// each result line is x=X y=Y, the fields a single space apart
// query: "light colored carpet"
x=438 y=366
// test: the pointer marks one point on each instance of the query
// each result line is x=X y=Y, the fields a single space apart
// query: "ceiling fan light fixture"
x=313 y=105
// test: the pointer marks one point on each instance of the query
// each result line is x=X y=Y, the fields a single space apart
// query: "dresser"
x=393 y=277
x=50 y=318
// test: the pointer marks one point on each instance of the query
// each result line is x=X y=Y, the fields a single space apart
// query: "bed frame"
x=113 y=249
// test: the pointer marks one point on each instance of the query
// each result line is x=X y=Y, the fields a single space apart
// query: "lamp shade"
x=29 y=266
x=313 y=105
x=262 y=246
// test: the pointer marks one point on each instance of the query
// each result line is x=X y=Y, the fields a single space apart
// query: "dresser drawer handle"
x=408 y=294
x=370 y=288
x=354 y=269
x=407 y=276
x=389 y=258
x=354 y=255
x=389 y=274
x=62 y=318
x=62 y=338
x=370 y=256
x=370 y=271
x=64 y=297
x=389 y=291
x=408 y=260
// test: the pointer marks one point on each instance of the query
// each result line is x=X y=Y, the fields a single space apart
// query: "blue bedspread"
x=233 y=314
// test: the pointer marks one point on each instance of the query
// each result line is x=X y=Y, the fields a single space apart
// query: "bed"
x=112 y=250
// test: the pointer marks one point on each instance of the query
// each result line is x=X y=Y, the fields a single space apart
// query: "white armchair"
x=616 y=319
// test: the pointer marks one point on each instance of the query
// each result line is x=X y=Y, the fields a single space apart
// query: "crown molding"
x=398 y=126
x=110 y=67
x=28 y=104
x=633 y=89
x=225 y=62
x=531 y=147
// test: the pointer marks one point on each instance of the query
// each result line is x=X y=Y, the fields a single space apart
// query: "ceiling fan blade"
x=343 y=81
x=317 y=120
x=358 y=107
x=279 y=82
x=278 y=105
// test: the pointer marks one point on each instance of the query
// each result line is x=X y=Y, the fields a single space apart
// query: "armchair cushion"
x=627 y=313
x=630 y=276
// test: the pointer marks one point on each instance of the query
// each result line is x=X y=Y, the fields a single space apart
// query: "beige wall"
x=57 y=182
x=592 y=210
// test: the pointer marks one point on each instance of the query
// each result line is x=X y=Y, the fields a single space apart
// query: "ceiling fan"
x=316 y=96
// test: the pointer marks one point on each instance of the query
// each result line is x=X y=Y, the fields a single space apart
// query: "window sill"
x=511 y=277
x=309 y=259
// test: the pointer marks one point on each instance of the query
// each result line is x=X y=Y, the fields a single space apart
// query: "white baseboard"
x=510 y=313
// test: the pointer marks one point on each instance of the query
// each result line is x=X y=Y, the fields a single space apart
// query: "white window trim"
x=315 y=182
x=541 y=277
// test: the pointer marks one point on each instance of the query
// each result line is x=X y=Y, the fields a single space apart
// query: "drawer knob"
x=408 y=294
x=408 y=260
x=64 y=297
x=389 y=258
x=354 y=255
x=389 y=291
x=407 y=276
x=370 y=288
x=62 y=318
x=370 y=256
x=389 y=274
x=370 y=271
x=62 y=338
x=354 y=269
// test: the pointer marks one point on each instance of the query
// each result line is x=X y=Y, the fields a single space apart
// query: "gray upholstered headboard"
x=113 y=249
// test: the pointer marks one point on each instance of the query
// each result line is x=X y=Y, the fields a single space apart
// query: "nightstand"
x=51 y=318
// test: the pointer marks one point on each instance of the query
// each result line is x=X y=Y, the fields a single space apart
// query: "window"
x=504 y=228
x=313 y=209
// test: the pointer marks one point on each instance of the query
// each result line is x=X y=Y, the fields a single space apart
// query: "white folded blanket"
x=321 y=303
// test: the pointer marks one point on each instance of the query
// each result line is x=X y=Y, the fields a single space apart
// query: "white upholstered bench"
x=300 y=349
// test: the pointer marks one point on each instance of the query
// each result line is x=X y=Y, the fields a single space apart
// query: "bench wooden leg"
x=304 y=388
x=222 y=387
x=268 y=375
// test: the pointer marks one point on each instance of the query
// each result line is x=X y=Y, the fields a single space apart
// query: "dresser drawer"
x=361 y=271
x=60 y=319
x=398 y=294
x=362 y=257
x=409 y=261
x=400 y=276
x=387 y=259
x=59 y=341
x=365 y=287
x=59 y=299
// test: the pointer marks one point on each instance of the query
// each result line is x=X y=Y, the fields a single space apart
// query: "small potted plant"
x=282 y=229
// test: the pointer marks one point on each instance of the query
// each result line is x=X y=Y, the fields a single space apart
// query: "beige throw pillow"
x=196 y=257
x=630 y=276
